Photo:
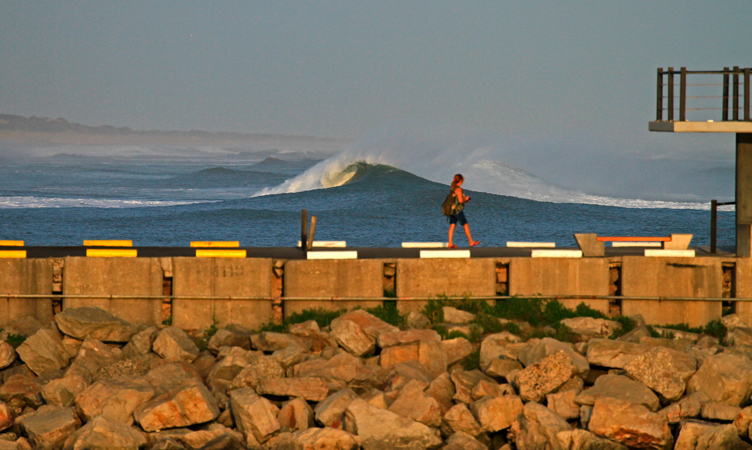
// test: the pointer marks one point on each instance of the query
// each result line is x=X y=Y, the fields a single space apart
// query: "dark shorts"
x=458 y=218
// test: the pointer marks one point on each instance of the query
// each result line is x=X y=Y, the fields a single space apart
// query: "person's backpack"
x=447 y=208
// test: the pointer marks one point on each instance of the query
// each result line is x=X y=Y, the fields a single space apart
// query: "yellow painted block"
x=215 y=244
x=12 y=253
x=220 y=253
x=111 y=253
x=108 y=243
x=11 y=243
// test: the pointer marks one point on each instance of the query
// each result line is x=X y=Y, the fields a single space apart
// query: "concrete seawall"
x=247 y=290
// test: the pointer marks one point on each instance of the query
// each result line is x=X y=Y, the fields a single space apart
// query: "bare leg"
x=451 y=233
x=467 y=233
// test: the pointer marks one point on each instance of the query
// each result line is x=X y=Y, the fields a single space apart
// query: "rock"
x=429 y=354
x=94 y=323
x=417 y=321
x=486 y=388
x=23 y=326
x=497 y=413
x=501 y=368
x=414 y=404
x=663 y=370
x=49 y=425
x=228 y=368
x=115 y=399
x=544 y=377
x=264 y=367
x=740 y=337
x=732 y=321
x=188 y=404
x=690 y=432
x=229 y=338
x=686 y=408
x=141 y=343
x=370 y=324
x=457 y=349
x=326 y=438
x=225 y=441
x=454 y=315
x=92 y=357
x=630 y=424
x=392 y=338
x=296 y=415
x=563 y=404
x=537 y=349
x=269 y=341
x=342 y=367
x=377 y=398
x=7 y=354
x=537 y=427
x=352 y=338
x=494 y=346
x=167 y=444
x=213 y=436
x=101 y=433
x=463 y=441
x=43 y=351
x=173 y=344
x=720 y=412
x=20 y=392
x=459 y=419
x=590 y=327
x=309 y=388
x=7 y=416
x=742 y=421
x=621 y=388
x=329 y=412
x=401 y=374
x=724 y=437
x=254 y=416
x=724 y=378
x=63 y=391
x=585 y=440
x=614 y=354
x=167 y=376
x=465 y=382
x=380 y=429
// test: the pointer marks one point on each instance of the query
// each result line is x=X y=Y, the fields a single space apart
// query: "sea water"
x=377 y=192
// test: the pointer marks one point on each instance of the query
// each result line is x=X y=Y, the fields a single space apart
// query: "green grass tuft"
x=15 y=339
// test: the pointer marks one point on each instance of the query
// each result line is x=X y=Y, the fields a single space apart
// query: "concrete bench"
x=593 y=245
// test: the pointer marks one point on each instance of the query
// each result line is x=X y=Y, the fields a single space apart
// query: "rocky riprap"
x=89 y=380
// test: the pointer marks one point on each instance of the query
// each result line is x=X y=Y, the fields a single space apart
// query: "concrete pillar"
x=744 y=194
x=743 y=285
x=25 y=276
x=221 y=277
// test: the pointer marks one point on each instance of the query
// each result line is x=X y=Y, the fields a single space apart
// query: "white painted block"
x=532 y=244
x=637 y=244
x=329 y=244
x=445 y=253
x=349 y=254
x=669 y=253
x=424 y=244
x=556 y=254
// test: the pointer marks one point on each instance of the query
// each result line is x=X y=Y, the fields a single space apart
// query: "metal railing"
x=730 y=84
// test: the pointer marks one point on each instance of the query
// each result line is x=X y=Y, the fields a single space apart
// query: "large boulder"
x=380 y=429
x=350 y=336
x=621 y=388
x=329 y=411
x=115 y=399
x=613 y=354
x=494 y=347
x=589 y=327
x=312 y=389
x=326 y=438
x=392 y=338
x=19 y=392
x=90 y=322
x=7 y=416
x=563 y=404
x=188 y=404
x=459 y=419
x=255 y=416
x=230 y=337
x=63 y=391
x=454 y=315
x=343 y=366
x=537 y=427
x=414 y=404
x=260 y=368
x=630 y=424
x=724 y=378
x=465 y=382
x=7 y=354
x=429 y=354
x=93 y=355
x=271 y=341
x=43 y=351
x=538 y=349
x=371 y=325
x=296 y=415
x=140 y=343
x=547 y=375
x=457 y=349
x=663 y=370
x=49 y=426
x=173 y=344
x=463 y=441
x=497 y=413
x=584 y=440
x=101 y=433
x=688 y=407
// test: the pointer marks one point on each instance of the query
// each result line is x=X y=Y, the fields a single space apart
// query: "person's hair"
x=457 y=179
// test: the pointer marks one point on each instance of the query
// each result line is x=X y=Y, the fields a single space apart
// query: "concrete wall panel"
x=561 y=276
x=115 y=276
x=333 y=278
x=672 y=277
x=452 y=277
x=25 y=276
x=743 y=278
x=230 y=277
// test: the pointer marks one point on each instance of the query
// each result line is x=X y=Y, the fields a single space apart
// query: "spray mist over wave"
x=44 y=202
x=436 y=154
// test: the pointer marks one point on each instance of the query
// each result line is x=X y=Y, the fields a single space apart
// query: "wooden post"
x=713 y=224
x=746 y=94
x=725 y=93
x=735 y=94
x=683 y=94
x=659 y=97
x=304 y=230
x=313 y=231
x=670 y=94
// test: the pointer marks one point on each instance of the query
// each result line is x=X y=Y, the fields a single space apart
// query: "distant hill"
x=59 y=131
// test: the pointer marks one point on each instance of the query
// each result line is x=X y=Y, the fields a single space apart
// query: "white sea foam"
x=44 y=202
x=438 y=159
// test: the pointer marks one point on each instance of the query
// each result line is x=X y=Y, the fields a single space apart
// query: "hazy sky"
x=570 y=74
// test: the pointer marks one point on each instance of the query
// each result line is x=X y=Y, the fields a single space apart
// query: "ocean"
x=377 y=191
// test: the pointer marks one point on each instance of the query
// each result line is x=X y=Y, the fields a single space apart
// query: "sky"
x=575 y=77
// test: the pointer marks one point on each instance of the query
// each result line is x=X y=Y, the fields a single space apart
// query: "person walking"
x=458 y=215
